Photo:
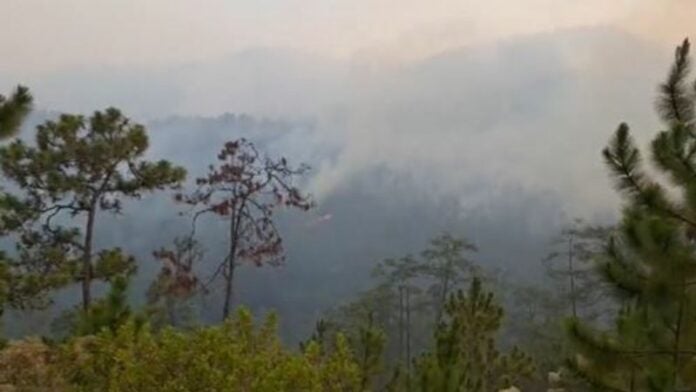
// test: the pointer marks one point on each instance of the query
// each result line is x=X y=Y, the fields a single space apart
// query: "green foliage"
x=79 y=167
x=465 y=357
x=44 y=261
x=235 y=356
x=336 y=371
x=13 y=110
x=365 y=337
x=407 y=301
x=651 y=262
x=87 y=161
x=369 y=347
x=110 y=312
x=176 y=284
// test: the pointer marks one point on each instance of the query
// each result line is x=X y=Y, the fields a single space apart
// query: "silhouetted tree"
x=535 y=323
x=407 y=299
x=369 y=349
x=245 y=189
x=448 y=267
x=571 y=265
x=398 y=276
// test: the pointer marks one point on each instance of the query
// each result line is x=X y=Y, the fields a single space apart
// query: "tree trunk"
x=229 y=279
x=571 y=272
x=443 y=295
x=365 y=371
x=87 y=271
x=170 y=306
x=408 y=329
x=408 y=339
x=401 y=323
x=677 y=338
x=231 y=261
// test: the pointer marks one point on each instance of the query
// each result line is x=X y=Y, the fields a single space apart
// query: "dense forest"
x=615 y=309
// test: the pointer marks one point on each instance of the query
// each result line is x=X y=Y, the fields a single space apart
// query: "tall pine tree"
x=466 y=356
x=570 y=266
x=651 y=262
x=446 y=264
x=77 y=168
x=13 y=111
x=245 y=190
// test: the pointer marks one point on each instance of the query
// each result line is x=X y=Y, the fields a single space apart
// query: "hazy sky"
x=458 y=93
x=46 y=35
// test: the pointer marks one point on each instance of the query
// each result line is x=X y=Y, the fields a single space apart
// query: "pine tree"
x=446 y=264
x=110 y=312
x=571 y=265
x=466 y=357
x=535 y=324
x=375 y=307
x=369 y=349
x=77 y=168
x=13 y=111
x=398 y=278
x=407 y=299
x=245 y=189
x=651 y=262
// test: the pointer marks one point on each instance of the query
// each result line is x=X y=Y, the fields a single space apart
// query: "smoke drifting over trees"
x=433 y=221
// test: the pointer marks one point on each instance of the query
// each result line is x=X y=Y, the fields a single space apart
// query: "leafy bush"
x=234 y=356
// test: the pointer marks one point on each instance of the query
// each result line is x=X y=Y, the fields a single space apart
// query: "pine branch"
x=624 y=160
x=670 y=154
x=675 y=105
x=13 y=111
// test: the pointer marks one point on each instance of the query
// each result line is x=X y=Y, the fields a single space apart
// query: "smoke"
x=532 y=112
x=666 y=22
x=486 y=124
